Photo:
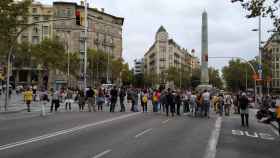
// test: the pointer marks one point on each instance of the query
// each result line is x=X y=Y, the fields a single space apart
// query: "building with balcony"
x=271 y=56
x=104 y=33
x=165 y=53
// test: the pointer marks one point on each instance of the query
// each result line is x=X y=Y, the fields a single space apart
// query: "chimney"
x=82 y=3
x=102 y=10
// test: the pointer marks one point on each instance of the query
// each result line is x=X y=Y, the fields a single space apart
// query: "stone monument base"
x=203 y=87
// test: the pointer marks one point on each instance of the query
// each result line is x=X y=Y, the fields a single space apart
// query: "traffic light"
x=78 y=18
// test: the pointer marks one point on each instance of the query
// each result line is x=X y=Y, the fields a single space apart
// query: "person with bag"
x=155 y=102
x=55 y=100
x=244 y=109
x=145 y=101
x=28 y=96
x=81 y=100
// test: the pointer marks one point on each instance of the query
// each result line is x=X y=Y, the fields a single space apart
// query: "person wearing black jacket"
x=114 y=98
x=122 y=94
x=170 y=102
x=244 y=109
x=178 y=102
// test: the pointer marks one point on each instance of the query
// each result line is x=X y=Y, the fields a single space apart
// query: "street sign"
x=259 y=67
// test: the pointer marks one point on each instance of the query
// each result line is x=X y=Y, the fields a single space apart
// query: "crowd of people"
x=168 y=101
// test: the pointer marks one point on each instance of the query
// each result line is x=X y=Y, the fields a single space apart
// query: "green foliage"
x=195 y=78
x=235 y=74
x=13 y=16
x=50 y=53
x=262 y=7
x=214 y=78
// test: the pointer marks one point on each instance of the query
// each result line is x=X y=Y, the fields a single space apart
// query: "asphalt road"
x=132 y=135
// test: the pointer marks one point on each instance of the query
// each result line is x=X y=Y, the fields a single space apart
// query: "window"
x=69 y=12
x=36 y=18
x=24 y=38
x=35 y=39
x=46 y=30
x=46 y=18
x=277 y=50
x=35 y=29
x=34 y=10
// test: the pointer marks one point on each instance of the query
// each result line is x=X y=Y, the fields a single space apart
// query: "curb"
x=12 y=112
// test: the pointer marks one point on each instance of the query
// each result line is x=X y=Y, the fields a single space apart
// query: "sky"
x=230 y=33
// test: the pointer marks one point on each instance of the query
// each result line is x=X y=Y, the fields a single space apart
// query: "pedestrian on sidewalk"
x=114 y=98
x=278 y=117
x=90 y=98
x=28 y=96
x=244 y=109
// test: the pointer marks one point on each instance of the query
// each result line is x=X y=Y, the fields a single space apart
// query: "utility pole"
x=260 y=53
x=85 y=57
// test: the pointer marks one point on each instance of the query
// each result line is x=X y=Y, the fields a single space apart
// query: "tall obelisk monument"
x=204 y=80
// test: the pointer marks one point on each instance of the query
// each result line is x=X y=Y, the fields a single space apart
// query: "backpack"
x=155 y=98
x=145 y=99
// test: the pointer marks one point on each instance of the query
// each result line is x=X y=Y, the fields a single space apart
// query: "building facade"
x=138 y=66
x=104 y=33
x=271 y=56
x=166 y=53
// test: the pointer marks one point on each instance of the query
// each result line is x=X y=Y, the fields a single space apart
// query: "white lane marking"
x=212 y=144
x=164 y=122
x=102 y=154
x=274 y=130
x=142 y=133
x=66 y=131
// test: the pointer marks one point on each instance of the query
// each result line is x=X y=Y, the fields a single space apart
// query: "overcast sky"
x=229 y=31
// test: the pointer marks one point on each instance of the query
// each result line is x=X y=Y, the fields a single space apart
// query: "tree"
x=51 y=54
x=127 y=75
x=262 y=8
x=214 y=78
x=235 y=74
x=13 y=15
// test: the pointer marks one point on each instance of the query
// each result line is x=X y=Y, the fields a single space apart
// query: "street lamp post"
x=85 y=57
x=260 y=53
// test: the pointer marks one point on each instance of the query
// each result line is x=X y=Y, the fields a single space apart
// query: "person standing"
x=206 y=103
x=100 y=99
x=278 y=117
x=170 y=102
x=114 y=98
x=122 y=95
x=55 y=100
x=193 y=104
x=155 y=102
x=228 y=103
x=221 y=104
x=81 y=100
x=244 y=109
x=68 y=99
x=90 y=99
x=145 y=101
x=178 y=102
x=28 y=96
